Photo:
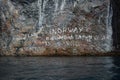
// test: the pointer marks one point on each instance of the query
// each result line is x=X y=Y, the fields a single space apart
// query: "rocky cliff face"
x=55 y=27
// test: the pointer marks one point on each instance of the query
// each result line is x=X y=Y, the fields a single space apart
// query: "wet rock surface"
x=54 y=27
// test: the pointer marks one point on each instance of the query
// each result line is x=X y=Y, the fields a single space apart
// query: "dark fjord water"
x=59 y=68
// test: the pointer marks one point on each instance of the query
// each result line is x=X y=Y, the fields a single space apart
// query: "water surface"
x=59 y=68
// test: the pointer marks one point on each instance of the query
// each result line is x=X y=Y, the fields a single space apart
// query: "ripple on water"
x=58 y=68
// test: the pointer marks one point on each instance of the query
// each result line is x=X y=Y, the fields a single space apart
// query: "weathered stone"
x=55 y=27
x=26 y=29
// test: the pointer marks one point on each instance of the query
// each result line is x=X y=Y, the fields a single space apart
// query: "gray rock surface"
x=55 y=27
